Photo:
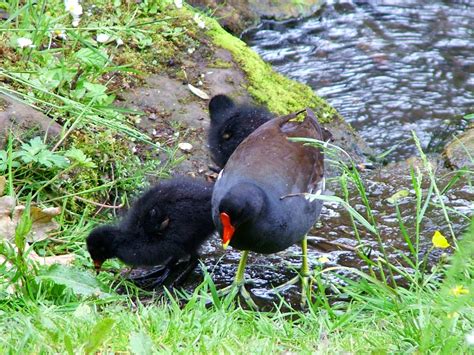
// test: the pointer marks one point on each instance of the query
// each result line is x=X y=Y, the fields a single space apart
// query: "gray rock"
x=19 y=118
x=238 y=15
x=460 y=151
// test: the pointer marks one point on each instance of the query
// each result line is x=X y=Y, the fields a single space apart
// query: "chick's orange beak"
x=227 y=228
x=98 y=265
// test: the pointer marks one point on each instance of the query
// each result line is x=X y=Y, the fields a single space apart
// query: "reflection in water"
x=389 y=67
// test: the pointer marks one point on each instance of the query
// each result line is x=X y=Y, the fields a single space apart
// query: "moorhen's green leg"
x=238 y=286
x=304 y=274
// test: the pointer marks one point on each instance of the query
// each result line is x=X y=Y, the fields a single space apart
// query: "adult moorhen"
x=262 y=198
x=168 y=222
x=231 y=123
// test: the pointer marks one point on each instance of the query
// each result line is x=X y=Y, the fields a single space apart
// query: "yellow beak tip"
x=225 y=245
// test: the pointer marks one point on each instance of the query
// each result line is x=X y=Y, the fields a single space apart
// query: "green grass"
x=69 y=309
x=421 y=320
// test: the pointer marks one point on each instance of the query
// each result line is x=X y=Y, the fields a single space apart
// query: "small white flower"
x=197 y=18
x=178 y=3
x=23 y=42
x=73 y=7
x=119 y=42
x=191 y=50
x=102 y=38
x=470 y=338
x=60 y=34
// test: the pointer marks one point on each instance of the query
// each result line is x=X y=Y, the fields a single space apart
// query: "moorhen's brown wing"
x=269 y=157
x=277 y=167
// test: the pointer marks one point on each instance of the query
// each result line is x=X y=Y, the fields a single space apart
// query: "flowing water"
x=389 y=67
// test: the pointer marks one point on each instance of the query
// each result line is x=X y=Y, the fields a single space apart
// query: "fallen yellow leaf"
x=323 y=259
x=439 y=240
x=458 y=290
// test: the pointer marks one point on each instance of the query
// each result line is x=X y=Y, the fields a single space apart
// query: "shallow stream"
x=389 y=67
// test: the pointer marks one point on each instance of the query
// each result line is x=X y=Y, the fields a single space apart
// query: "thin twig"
x=103 y=205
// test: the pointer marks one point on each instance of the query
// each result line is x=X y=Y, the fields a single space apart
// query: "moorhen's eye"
x=226 y=136
x=164 y=224
x=153 y=213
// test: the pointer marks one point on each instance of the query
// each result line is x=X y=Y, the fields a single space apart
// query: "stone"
x=238 y=15
x=460 y=151
x=20 y=118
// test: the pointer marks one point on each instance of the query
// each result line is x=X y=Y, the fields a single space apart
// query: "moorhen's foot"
x=154 y=273
x=238 y=288
x=170 y=275
x=304 y=287
x=214 y=169
x=184 y=268
x=153 y=279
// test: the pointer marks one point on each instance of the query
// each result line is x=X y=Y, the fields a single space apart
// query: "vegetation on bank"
x=71 y=65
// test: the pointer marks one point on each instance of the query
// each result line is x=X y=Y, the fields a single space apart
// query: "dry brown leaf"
x=3 y=182
x=64 y=259
x=42 y=222
x=42 y=219
x=7 y=226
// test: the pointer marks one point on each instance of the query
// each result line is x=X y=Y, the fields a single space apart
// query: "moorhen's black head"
x=243 y=203
x=168 y=222
x=231 y=123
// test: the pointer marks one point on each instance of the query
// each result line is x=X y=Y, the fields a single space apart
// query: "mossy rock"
x=280 y=94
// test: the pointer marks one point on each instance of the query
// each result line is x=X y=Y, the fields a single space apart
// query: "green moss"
x=220 y=64
x=280 y=94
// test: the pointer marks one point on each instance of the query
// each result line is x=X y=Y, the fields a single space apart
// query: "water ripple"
x=389 y=67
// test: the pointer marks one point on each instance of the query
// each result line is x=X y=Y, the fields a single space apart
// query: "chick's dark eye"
x=226 y=135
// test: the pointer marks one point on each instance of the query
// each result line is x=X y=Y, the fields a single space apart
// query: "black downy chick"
x=167 y=223
x=231 y=123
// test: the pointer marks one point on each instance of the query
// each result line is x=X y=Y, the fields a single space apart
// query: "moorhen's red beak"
x=228 y=229
x=98 y=265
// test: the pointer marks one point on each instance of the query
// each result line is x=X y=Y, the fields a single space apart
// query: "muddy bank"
x=18 y=118
x=173 y=113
